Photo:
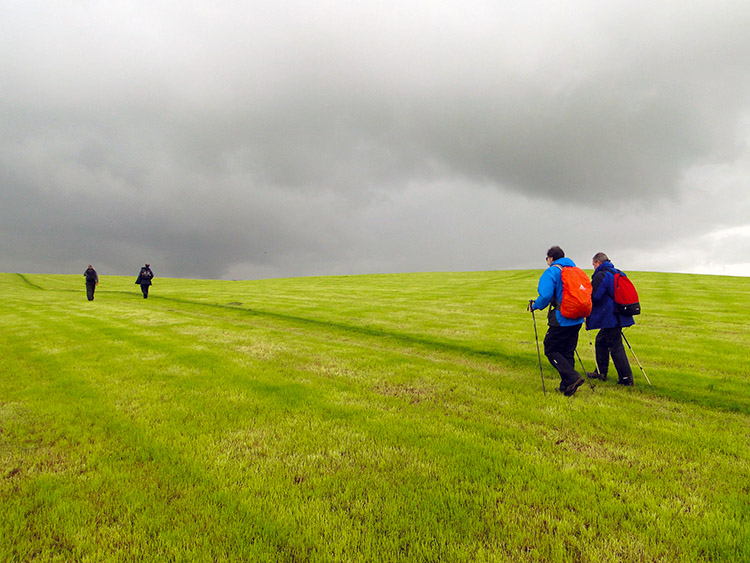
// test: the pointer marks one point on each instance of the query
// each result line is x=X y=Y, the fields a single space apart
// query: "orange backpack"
x=576 y=295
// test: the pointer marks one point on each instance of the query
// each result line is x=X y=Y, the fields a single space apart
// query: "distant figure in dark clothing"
x=144 y=279
x=92 y=280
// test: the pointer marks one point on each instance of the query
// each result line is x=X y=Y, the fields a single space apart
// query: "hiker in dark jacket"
x=144 y=279
x=92 y=280
x=605 y=318
x=562 y=333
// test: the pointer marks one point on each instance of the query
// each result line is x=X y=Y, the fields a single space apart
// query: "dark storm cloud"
x=242 y=139
x=626 y=107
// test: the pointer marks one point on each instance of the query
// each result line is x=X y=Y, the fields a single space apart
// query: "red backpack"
x=626 y=297
x=576 y=295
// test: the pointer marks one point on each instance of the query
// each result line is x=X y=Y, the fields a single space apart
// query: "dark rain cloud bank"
x=248 y=139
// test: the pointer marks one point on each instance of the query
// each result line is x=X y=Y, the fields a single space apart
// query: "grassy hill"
x=365 y=418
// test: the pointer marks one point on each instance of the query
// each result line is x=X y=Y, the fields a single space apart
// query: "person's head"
x=599 y=258
x=148 y=265
x=554 y=253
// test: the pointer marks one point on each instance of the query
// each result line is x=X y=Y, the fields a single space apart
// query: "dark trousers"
x=90 y=287
x=559 y=346
x=144 y=289
x=609 y=343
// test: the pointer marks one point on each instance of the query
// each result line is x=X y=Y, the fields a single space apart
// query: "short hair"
x=555 y=253
x=600 y=257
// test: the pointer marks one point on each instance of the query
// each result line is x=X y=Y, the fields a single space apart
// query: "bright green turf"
x=365 y=418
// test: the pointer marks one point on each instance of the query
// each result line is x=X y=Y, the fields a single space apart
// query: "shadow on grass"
x=28 y=283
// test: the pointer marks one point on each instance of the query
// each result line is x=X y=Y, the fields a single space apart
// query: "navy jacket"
x=603 y=299
x=91 y=276
x=144 y=276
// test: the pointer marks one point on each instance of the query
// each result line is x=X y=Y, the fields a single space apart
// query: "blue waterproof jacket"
x=550 y=291
x=603 y=313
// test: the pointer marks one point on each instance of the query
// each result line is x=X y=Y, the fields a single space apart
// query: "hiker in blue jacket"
x=562 y=333
x=605 y=318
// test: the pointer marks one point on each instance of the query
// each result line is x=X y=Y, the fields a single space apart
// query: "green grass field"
x=365 y=418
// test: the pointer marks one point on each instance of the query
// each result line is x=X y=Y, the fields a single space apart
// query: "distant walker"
x=92 y=280
x=144 y=279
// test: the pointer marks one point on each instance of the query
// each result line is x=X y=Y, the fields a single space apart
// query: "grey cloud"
x=344 y=100
x=279 y=139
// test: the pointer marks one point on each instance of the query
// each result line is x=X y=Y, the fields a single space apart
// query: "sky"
x=258 y=139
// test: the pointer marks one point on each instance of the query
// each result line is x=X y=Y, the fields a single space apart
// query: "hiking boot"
x=625 y=382
x=599 y=376
x=573 y=387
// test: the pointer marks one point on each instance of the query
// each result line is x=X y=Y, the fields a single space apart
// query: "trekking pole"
x=536 y=337
x=584 y=370
x=636 y=357
x=593 y=350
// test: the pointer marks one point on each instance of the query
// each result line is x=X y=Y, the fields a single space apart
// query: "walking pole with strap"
x=536 y=337
x=636 y=357
x=593 y=350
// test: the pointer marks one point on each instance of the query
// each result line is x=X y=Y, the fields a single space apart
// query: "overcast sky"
x=249 y=139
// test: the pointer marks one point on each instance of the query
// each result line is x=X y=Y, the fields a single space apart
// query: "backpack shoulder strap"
x=553 y=302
